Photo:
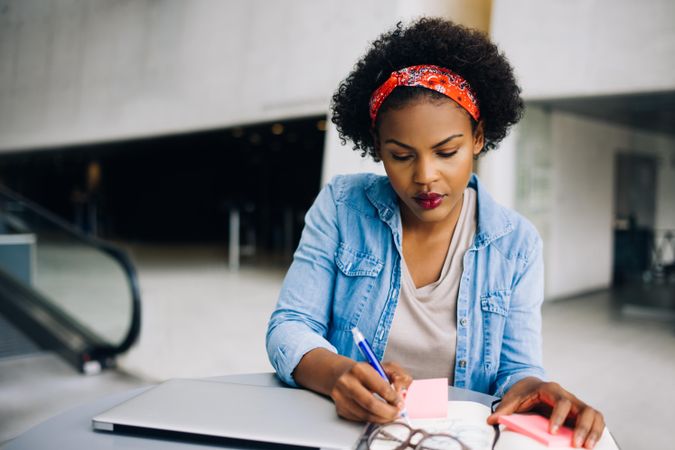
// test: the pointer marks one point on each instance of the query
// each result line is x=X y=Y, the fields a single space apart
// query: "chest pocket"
x=355 y=263
x=358 y=273
x=494 y=308
x=496 y=302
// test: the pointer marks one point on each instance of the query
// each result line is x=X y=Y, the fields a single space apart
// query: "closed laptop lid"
x=240 y=411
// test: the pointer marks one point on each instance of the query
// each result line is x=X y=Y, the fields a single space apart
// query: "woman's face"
x=427 y=148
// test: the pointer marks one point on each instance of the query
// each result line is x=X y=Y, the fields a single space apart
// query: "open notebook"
x=467 y=421
x=427 y=407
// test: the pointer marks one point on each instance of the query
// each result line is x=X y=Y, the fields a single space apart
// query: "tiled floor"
x=36 y=387
x=622 y=365
x=199 y=319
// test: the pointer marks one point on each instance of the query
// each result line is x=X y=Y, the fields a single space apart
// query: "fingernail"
x=554 y=429
x=399 y=405
x=591 y=442
x=578 y=442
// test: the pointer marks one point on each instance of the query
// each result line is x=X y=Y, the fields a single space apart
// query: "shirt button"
x=462 y=363
x=462 y=321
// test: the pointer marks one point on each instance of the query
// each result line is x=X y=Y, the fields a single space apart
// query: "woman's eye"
x=400 y=157
x=447 y=154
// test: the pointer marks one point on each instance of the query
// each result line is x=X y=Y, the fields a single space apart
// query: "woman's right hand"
x=354 y=393
x=352 y=385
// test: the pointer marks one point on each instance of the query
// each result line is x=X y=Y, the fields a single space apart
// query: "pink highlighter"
x=536 y=427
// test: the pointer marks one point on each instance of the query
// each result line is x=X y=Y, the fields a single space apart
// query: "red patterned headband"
x=431 y=77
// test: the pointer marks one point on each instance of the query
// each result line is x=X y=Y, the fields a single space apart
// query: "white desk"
x=72 y=430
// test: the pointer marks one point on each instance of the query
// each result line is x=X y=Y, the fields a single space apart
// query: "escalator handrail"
x=113 y=251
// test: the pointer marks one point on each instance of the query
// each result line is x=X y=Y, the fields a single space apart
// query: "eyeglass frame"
x=412 y=432
x=372 y=433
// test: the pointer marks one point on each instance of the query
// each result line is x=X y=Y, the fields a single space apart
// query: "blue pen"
x=367 y=352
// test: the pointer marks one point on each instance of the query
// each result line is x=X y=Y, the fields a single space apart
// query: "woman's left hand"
x=532 y=393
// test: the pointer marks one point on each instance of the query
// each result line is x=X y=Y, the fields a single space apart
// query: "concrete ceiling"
x=647 y=111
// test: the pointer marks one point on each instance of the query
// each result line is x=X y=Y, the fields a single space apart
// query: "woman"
x=440 y=279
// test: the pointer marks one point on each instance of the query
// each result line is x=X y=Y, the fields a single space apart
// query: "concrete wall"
x=587 y=47
x=79 y=71
x=563 y=175
x=497 y=170
x=76 y=71
x=472 y=13
x=566 y=185
x=534 y=169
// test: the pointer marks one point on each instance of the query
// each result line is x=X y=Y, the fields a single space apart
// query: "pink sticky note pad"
x=536 y=427
x=427 y=399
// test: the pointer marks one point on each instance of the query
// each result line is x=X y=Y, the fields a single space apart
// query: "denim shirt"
x=346 y=272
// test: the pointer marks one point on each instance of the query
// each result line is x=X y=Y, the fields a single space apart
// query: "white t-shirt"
x=423 y=335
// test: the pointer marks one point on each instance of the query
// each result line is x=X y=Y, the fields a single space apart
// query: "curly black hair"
x=468 y=52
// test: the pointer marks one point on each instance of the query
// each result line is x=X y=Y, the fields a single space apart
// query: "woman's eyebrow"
x=447 y=139
x=410 y=147
x=401 y=144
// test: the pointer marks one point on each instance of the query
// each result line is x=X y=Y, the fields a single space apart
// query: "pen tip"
x=404 y=416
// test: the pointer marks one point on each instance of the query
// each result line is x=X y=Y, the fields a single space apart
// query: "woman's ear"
x=478 y=138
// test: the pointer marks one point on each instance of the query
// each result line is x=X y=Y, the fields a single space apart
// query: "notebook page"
x=467 y=421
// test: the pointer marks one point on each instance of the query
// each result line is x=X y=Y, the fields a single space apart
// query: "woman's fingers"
x=583 y=426
x=597 y=430
x=560 y=411
x=374 y=405
x=521 y=397
x=398 y=377
x=374 y=383
x=361 y=394
x=589 y=424
x=589 y=428
x=506 y=406
x=351 y=410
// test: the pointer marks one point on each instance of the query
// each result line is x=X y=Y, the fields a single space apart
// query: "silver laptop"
x=239 y=411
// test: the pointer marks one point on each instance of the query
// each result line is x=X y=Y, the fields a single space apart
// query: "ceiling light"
x=277 y=129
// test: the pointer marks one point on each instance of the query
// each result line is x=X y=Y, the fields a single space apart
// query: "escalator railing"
x=68 y=291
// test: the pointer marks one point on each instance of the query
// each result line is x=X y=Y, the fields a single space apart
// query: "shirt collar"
x=493 y=221
x=383 y=197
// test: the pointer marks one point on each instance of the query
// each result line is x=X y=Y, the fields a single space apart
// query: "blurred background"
x=157 y=159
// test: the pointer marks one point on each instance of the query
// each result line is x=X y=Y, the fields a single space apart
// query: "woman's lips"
x=429 y=200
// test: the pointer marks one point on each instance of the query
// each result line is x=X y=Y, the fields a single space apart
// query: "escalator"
x=62 y=290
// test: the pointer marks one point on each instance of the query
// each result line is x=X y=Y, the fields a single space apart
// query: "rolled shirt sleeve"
x=302 y=315
x=521 y=353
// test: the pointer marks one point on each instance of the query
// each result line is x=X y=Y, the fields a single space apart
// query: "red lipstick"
x=428 y=200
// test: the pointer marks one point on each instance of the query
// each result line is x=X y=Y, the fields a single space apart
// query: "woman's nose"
x=425 y=171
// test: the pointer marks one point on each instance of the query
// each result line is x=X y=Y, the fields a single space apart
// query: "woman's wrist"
x=319 y=370
x=527 y=383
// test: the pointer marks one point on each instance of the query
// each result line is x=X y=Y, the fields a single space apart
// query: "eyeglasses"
x=401 y=436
